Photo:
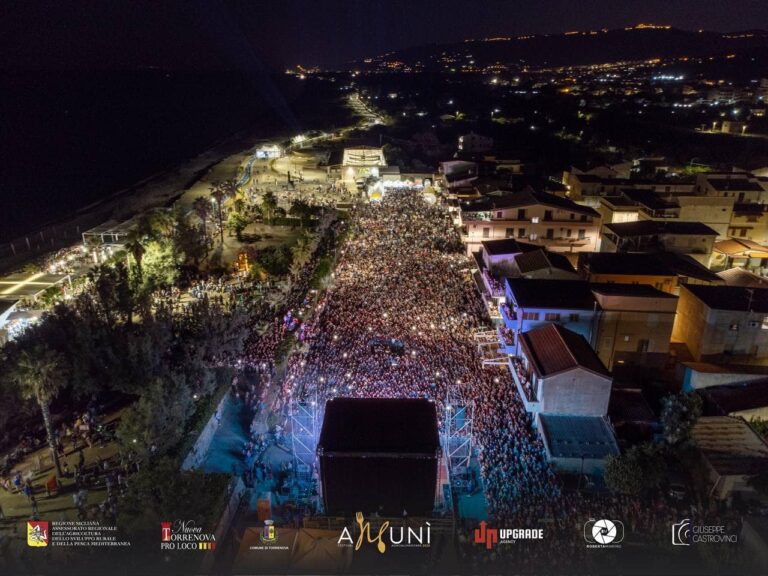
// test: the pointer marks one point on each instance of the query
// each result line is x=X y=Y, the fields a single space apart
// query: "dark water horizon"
x=70 y=139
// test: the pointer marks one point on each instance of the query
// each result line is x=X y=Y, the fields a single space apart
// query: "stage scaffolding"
x=457 y=431
x=305 y=423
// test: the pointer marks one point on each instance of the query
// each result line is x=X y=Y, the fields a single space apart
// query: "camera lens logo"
x=603 y=532
x=681 y=533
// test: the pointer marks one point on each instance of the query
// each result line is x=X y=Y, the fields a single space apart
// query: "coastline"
x=157 y=190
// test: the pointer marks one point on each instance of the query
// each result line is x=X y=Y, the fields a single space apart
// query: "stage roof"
x=383 y=425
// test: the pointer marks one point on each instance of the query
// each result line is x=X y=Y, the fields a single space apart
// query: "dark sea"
x=68 y=139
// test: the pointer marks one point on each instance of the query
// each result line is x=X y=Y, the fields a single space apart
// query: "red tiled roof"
x=553 y=349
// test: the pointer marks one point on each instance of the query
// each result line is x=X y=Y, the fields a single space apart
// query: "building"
x=474 y=143
x=690 y=238
x=565 y=386
x=360 y=162
x=745 y=399
x=557 y=372
x=741 y=186
x=722 y=320
x=634 y=324
x=543 y=264
x=740 y=252
x=742 y=277
x=635 y=268
x=533 y=303
x=731 y=452
x=458 y=173
x=544 y=219
x=749 y=221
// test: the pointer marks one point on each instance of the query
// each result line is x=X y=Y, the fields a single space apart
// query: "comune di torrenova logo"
x=603 y=533
x=685 y=533
x=385 y=536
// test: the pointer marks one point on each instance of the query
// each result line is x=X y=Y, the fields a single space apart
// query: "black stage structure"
x=379 y=456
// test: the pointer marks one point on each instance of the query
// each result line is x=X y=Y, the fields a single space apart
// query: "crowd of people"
x=403 y=277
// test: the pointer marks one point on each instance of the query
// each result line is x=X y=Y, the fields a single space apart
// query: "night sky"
x=217 y=34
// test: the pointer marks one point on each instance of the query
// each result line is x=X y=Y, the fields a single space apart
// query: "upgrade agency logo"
x=385 y=536
x=185 y=535
x=489 y=537
x=603 y=533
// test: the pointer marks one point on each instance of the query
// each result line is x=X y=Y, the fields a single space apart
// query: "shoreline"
x=161 y=189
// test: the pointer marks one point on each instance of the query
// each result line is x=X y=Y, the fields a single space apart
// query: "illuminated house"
x=715 y=321
x=567 y=388
x=544 y=219
x=691 y=238
x=361 y=162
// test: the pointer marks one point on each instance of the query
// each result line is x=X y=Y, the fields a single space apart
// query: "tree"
x=161 y=265
x=202 y=208
x=134 y=244
x=639 y=469
x=187 y=240
x=219 y=194
x=678 y=415
x=39 y=373
x=237 y=223
x=759 y=425
x=268 y=204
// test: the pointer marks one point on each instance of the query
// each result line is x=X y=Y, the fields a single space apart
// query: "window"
x=552 y=317
x=499 y=215
x=642 y=345
x=573 y=216
x=568 y=233
x=521 y=213
x=550 y=233
x=547 y=214
x=742 y=232
x=573 y=318
x=535 y=219
x=765 y=322
x=530 y=316
x=509 y=233
x=486 y=232
x=583 y=217
x=521 y=232
x=582 y=234
x=533 y=236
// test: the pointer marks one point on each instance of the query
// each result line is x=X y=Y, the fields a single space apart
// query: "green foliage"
x=236 y=223
x=188 y=241
x=639 y=469
x=276 y=260
x=760 y=425
x=678 y=415
x=160 y=491
x=268 y=204
x=323 y=269
x=158 y=419
x=161 y=264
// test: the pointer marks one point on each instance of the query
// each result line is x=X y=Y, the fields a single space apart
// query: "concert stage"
x=379 y=455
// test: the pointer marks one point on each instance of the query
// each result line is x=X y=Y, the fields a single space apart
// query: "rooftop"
x=577 y=436
x=734 y=298
x=743 y=278
x=730 y=446
x=507 y=246
x=553 y=349
x=503 y=199
x=633 y=290
x=629 y=405
x=623 y=264
x=383 y=425
x=551 y=294
x=542 y=259
x=734 y=184
x=654 y=227
x=724 y=400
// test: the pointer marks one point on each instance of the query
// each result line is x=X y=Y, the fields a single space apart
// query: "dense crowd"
x=403 y=277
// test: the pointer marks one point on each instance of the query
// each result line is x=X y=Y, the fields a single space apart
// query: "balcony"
x=508 y=315
x=506 y=340
x=524 y=386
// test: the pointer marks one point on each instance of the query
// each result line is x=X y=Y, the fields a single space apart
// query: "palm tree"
x=134 y=243
x=268 y=204
x=39 y=373
x=219 y=194
x=202 y=208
